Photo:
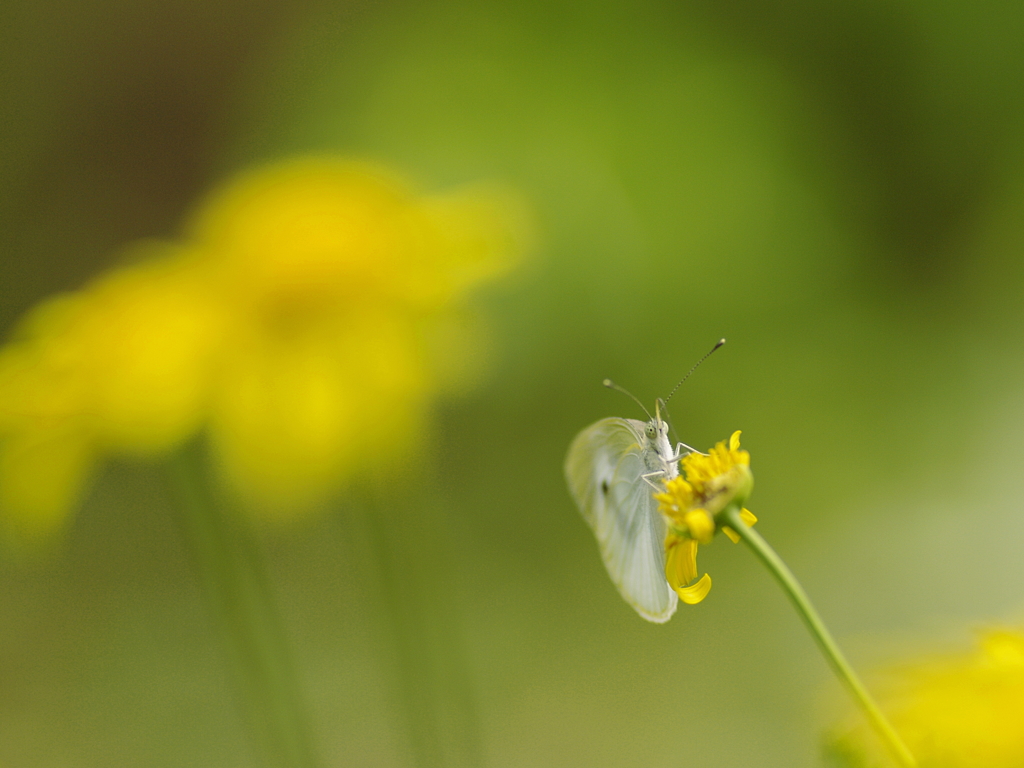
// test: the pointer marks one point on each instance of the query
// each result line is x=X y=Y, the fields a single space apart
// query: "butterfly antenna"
x=662 y=410
x=719 y=344
x=612 y=385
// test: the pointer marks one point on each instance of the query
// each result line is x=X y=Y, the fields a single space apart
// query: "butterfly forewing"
x=605 y=469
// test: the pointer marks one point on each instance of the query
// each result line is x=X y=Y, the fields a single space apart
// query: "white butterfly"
x=613 y=468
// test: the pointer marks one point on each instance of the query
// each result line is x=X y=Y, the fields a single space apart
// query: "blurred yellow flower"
x=306 y=321
x=340 y=280
x=955 y=711
x=709 y=483
x=122 y=366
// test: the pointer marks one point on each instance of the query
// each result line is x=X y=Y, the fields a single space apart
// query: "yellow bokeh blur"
x=294 y=321
x=957 y=710
x=321 y=235
x=123 y=366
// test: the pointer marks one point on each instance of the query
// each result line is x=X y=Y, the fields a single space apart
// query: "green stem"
x=238 y=592
x=402 y=612
x=842 y=668
x=420 y=619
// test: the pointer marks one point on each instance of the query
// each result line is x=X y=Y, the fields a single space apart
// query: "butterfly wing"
x=604 y=470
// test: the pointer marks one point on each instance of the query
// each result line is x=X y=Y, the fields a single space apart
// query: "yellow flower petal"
x=747 y=517
x=734 y=440
x=680 y=561
x=681 y=569
x=296 y=418
x=696 y=593
x=148 y=335
x=677 y=497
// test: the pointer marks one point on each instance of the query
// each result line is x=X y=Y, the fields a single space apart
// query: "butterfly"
x=613 y=469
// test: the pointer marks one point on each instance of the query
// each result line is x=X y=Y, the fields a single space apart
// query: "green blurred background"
x=838 y=189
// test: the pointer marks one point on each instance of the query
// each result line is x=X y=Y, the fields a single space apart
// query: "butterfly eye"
x=652 y=431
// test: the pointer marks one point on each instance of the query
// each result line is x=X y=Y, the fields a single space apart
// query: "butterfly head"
x=656 y=436
x=656 y=430
x=658 y=427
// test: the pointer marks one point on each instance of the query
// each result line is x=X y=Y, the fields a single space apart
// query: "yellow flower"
x=122 y=367
x=341 y=282
x=304 y=323
x=955 y=711
x=709 y=483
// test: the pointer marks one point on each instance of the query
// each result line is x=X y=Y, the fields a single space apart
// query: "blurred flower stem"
x=238 y=593
x=421 y=621
x=827 y=644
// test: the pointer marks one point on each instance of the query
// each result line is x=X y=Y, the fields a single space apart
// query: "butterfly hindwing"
x=604 y=470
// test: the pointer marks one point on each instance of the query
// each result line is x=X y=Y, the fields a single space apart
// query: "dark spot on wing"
x=604 y=487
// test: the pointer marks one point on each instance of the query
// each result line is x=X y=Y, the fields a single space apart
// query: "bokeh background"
x=836 y=188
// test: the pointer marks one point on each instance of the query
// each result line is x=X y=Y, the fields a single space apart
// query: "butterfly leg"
x=647 y=478
x=680 y=454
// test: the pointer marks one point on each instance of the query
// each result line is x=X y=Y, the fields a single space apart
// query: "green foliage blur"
x=837 y=189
